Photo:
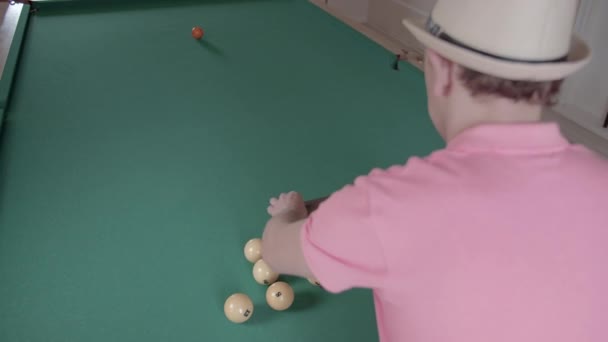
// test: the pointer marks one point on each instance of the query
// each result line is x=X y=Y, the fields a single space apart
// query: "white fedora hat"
x=530 y=40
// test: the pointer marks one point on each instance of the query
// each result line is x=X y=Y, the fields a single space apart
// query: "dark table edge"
x=12 y=61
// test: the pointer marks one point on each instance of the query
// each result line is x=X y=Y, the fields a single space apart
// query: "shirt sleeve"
x=339 y=241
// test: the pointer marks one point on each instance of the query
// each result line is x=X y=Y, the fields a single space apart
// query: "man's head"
x=458 y=91
x=493 y=57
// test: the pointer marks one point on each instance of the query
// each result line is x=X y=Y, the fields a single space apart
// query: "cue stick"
x=313 y=204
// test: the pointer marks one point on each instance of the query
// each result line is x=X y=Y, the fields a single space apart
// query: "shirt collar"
x=519 y=137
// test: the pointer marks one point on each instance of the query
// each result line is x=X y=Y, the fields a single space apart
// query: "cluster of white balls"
x=238 y=308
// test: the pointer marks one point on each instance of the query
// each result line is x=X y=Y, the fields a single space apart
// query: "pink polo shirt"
x=500 y=237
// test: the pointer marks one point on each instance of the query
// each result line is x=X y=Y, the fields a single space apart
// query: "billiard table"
x=136 y=161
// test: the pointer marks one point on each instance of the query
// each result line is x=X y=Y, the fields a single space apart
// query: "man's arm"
x=282 y=247
x=338 y=244
x=281 y=242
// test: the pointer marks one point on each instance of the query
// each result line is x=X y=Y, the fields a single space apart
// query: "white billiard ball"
x=253 y=250
x=238 y=308
x=314 y=281
x=263 y=274
x=279 y=296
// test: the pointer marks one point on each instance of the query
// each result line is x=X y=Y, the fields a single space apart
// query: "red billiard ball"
x=197 y=32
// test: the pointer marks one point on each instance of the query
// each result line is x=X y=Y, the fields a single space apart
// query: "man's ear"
x=441 y=73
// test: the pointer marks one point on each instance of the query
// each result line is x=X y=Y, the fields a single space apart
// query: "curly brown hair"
x=543 y=93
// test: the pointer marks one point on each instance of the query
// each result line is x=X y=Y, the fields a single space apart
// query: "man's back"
x=503 y=236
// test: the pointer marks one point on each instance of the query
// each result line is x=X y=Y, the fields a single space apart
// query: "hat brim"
x=579 y=55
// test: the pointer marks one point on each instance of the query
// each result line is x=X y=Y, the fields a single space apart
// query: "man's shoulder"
x=416 y=171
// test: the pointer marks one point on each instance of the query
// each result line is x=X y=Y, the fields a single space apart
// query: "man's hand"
x=290 y=204
x=281 y=239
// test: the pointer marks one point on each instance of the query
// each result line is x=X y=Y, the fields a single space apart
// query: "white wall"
x=423 y=6
x=354 y=9
x=584 y=97
x=386 y=16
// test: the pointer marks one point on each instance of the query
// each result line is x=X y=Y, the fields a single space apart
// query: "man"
x=499 y=237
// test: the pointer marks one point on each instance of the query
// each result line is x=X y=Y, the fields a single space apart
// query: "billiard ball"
x=314 y=281
x=263 y=274
x=253 y=250
x=197 y=32
x=279 y=296
x=238 y=308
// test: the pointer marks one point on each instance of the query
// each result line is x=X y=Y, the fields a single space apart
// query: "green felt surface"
x=10 y=66
x=136 y=162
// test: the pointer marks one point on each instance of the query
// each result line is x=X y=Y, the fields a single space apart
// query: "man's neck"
x=479 y=111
